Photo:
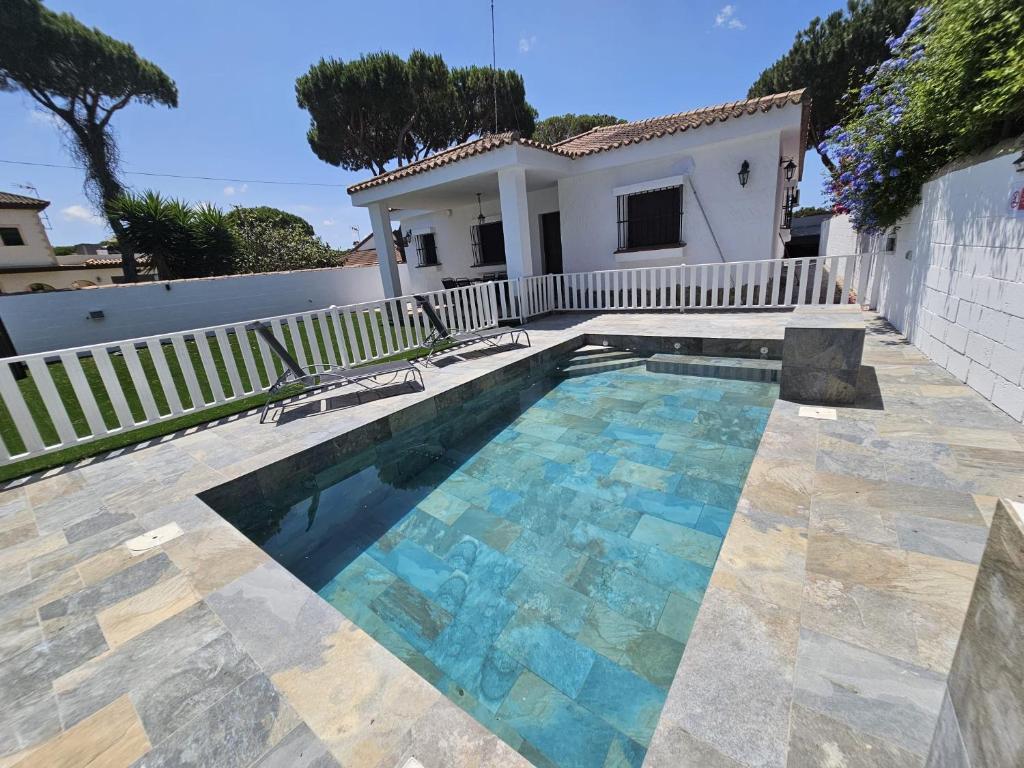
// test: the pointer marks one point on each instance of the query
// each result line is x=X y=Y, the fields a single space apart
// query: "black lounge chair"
x=443 y=340
x=324 y=376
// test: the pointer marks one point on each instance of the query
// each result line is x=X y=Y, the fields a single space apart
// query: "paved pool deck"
x=824 y=638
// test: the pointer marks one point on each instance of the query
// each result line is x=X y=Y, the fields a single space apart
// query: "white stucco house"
x=27 y=259
x=709 y=185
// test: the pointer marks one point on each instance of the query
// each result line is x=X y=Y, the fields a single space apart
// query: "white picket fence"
x=138 y=382
x=770 y=284
x=111 y=388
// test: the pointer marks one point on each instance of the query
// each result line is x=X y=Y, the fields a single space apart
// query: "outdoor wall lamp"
x=744 y=173
x=789 y=168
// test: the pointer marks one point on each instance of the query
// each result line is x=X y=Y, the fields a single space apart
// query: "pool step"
x=716 y=367
x=593 y=359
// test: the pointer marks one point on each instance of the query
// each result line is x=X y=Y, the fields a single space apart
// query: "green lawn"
x=360 y=340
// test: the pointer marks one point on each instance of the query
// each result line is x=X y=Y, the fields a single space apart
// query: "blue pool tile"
x=668 y=506
x=623 y=591
x=709 y=491
x=551 y=655
x=632 y=434
x=714 y=520
x=562 y=731
x=675 y=574
x=411 y=614
x=414 y=564
x=606 y=545
x=625 y=700
x=557 y=604
x=679 y=540
x=642 y=454
x=624 y=753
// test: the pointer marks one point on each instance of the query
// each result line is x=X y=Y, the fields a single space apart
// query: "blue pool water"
x=540 y=553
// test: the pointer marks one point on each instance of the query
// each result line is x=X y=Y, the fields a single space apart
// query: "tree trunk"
x=92 y=141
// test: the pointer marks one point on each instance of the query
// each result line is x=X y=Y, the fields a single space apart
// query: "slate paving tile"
x=235 y=731
x=622 y=591
x=135 y=666
x=121 y=585
x=299 y=749
x=95 y=524
x=882 y=696
x=191 y=684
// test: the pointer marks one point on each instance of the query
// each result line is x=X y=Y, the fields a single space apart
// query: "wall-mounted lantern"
x=790 y=169
x=744 y=173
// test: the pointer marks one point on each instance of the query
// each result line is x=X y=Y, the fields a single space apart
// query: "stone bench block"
x=821 y=355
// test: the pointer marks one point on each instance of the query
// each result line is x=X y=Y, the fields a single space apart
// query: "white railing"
x=55 y=400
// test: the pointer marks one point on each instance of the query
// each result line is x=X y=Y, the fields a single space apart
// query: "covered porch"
x=495 y=216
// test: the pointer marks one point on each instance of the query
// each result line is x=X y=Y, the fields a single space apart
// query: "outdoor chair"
x=318 y=377
x=442 y=339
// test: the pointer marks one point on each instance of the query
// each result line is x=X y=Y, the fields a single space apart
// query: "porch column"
x=515 y=221
x=384 y=242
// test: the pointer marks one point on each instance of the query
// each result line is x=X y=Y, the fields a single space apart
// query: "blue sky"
x=235 y=65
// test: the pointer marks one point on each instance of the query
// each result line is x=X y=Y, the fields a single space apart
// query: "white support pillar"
x=515 y=221
x=384 y=242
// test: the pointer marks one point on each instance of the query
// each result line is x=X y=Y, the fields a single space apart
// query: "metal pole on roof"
x=494 y=70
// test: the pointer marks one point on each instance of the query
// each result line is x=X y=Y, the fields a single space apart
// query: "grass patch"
x=216 y=363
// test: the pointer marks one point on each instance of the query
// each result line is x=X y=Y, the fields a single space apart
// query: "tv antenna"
x=494 y=70
x=29 y=187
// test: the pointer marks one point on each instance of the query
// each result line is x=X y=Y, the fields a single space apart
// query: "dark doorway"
x=551 y=238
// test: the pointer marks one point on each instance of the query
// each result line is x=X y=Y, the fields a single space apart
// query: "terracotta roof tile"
x=595 y=140
x=11 y=200
x=362 y=256
x=608 y=137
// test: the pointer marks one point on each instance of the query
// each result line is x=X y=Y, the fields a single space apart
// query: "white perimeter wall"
x=955 y=284
x=40 y=322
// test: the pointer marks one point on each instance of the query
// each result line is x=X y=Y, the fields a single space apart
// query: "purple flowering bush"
x=877 y=151
x=953 y=85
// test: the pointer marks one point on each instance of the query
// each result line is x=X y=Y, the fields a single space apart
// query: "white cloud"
x=727 y=18
x=328 y=222
x=81 y=213
x=527 y=44
x=231 y=191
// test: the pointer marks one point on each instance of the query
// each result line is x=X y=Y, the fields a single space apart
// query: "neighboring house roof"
x=11 y=200
x=113 y=261
x=596 y=140
x=365 y=255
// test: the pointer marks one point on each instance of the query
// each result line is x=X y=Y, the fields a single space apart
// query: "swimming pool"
x=538 y=553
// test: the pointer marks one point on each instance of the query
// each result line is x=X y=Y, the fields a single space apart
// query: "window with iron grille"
x=11 y=236
x=651 y=219
x=426 y=250
x=488 y=244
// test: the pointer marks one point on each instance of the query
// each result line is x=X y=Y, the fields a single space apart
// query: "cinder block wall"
x=955 y=282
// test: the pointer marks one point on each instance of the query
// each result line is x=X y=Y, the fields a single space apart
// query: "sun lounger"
x=369 y=377
x=442 y=339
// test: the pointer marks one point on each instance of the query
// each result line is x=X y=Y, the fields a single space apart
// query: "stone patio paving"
x=825 y=636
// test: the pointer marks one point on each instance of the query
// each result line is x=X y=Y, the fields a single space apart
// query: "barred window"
x=426 y=250
x=651 y=219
